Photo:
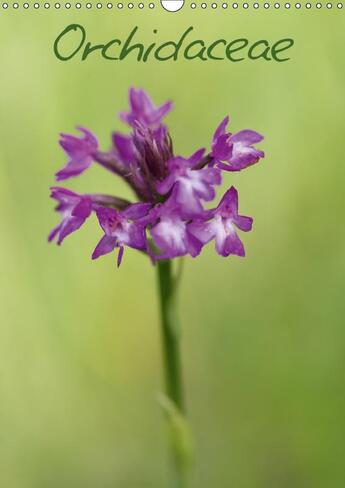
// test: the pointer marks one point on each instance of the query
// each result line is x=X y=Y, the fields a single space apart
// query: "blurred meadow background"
x=263 y=337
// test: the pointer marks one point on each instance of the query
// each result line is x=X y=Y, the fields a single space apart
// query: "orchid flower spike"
x=168 y=218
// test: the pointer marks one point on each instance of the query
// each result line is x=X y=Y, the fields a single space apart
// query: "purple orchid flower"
x=170 y=190
x=81 y=152
x=189 y=185
x=222 y=226
x=234 y=152
x=121 y=230
x=170 y=233
x=74 y=210
x=143 y=110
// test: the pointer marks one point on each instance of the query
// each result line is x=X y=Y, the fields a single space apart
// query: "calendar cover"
x=172 y=245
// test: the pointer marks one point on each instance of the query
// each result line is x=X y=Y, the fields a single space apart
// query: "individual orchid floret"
x=222 y=226
x=74 y=210
x=81 y=152
x=171 y=234
x=143 y=110
x=121 y=229
x=189 y=185
x=234 y=152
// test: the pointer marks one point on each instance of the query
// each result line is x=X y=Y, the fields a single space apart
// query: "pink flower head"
x=169 y=218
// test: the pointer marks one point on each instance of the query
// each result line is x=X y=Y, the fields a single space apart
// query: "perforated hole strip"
x=153 y=5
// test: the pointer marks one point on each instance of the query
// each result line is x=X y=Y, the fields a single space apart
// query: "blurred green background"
x=263 y=337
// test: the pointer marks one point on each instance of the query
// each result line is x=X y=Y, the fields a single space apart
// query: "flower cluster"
x=169 y=219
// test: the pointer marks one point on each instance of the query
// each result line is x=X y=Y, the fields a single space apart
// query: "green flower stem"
x=173 y=403
x=170 y=334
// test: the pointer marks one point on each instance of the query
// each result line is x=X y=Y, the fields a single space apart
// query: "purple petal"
x=247 y=137
x=68 y=226
x=170 y=236
x=120 y=256
x=228 y=206
x=244 y=223
x=70 y=172
x=108 y=219
x=243 y=156
x=203 y=231
x=138 y=99
x=194 y=245
x=161 y=112
x=136 y=211
x=152 y=216
x=136 y=237
x=221 y=128
x=211 y=176
x=83 y=209
x=196 y=157
x=222 y=148
x=163 y=187
x=64 y=196
x=186 y=199
x=178 y=164
x=124 y=148
x=106 y=245
x=54 y=233
x=233 y=245
x=220 y=238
